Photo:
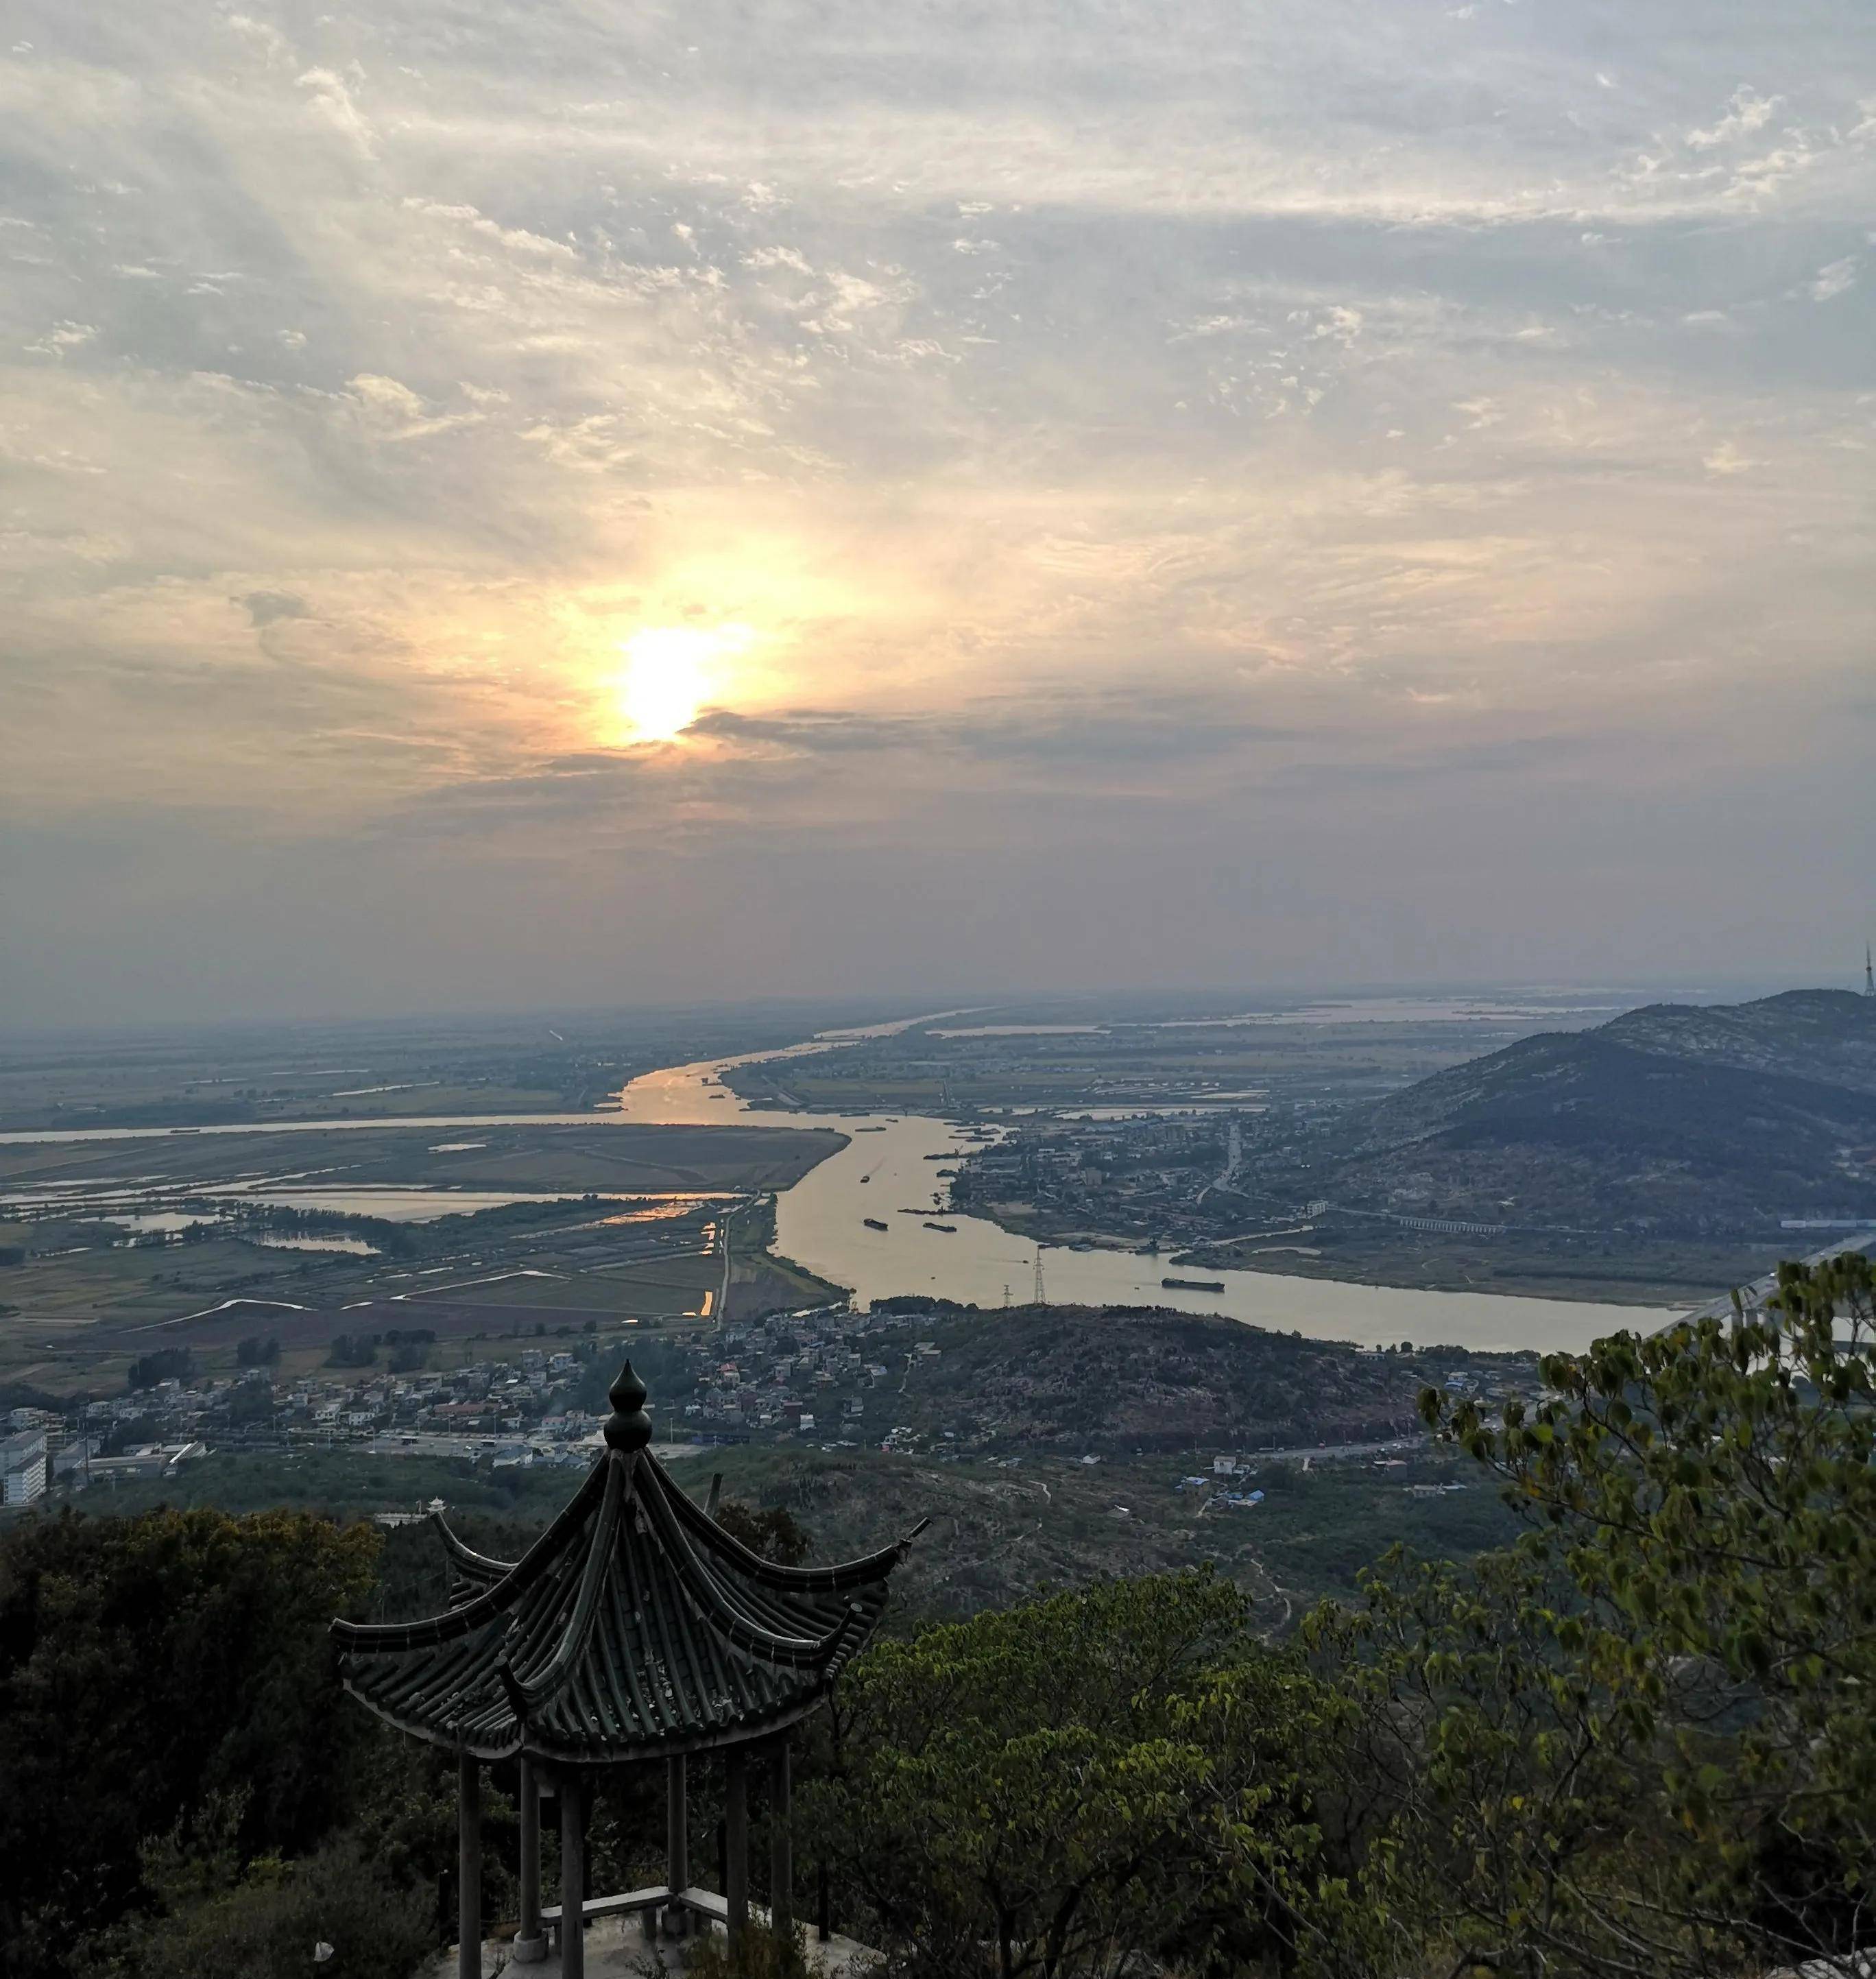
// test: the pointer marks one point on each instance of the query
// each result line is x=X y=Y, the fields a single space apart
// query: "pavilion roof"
x=634 y=1625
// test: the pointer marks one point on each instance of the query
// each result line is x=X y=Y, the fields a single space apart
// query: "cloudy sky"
x=593 y=502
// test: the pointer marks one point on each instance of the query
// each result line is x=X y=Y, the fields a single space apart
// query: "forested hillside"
x=1639 y=1740
x=1113 y=1379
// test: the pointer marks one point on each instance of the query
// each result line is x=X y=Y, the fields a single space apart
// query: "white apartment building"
x=22 y=1467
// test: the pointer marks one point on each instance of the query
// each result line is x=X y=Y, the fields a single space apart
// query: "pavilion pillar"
x=676 y=1838
x=736 y=1841
x=530 y=1945
x=468 y=1868
x=572 y=1879
x=781 y=1843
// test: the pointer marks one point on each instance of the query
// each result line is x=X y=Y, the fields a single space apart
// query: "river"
x=885 y=1172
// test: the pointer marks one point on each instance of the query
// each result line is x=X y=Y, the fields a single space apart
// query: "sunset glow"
x=619 y=459
x=671 y=672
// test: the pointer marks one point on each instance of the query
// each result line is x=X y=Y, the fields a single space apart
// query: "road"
x=722 y=1290
x=1339 y=1453
x=1233 y=1160
x=1754 y=1295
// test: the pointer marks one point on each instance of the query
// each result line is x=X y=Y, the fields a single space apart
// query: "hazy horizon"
x=1118 y=1006
x=598 y=509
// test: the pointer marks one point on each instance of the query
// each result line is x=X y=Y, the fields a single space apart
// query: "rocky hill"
x=1670 y=1117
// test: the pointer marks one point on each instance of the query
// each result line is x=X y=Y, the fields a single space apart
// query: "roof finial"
x=627 y=1428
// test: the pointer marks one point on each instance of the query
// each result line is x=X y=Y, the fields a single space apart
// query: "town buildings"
x=23 y=1467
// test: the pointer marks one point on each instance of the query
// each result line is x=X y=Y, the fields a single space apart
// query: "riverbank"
x=1670 y=1274
x=1619 y=1269
x=1357 y=1251
x=888 y=1173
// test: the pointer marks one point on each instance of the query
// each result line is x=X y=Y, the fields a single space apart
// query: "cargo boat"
x=1193 y=1284
x=873 y=1223
x=949 y=1229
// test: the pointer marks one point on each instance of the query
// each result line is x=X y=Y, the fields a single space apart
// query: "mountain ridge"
x=1696 y=1117
x=1825 y=1034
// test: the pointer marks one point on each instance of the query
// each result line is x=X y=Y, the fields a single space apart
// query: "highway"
x=1754 y=1295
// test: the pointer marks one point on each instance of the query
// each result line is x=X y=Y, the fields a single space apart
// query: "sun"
x=669 y=674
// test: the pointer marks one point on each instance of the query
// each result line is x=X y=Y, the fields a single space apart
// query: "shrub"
x=759 y=1955
x=268 y=1925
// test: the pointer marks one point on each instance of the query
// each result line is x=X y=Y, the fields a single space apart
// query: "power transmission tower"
x=1042 y=1295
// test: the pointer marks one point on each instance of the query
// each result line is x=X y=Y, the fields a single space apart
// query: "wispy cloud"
x=1121 y=433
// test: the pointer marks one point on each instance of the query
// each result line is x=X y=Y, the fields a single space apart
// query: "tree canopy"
x=1642 y=1740
x=1055 y=1788
x=149 y=1667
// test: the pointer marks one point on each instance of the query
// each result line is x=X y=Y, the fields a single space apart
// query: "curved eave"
x=481 y=1570
x=373 y=1638
x=634 y=1627
x=533 y=1745
x=765 y=1573
x=644 y=1682
x=471 y=1571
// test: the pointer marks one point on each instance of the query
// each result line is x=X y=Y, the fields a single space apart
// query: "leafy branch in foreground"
x=1643 y=1740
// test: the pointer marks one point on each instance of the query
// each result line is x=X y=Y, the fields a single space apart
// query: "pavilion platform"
x=619 y=1947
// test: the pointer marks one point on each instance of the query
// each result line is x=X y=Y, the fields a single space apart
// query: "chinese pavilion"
x=634 y=1629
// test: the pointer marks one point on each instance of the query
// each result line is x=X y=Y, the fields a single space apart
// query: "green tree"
x=1054 y=1788
x=771 y=1531
x=149 y=1667
x=1643 y=1740
x=219 y=1919
x=166 y=1364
